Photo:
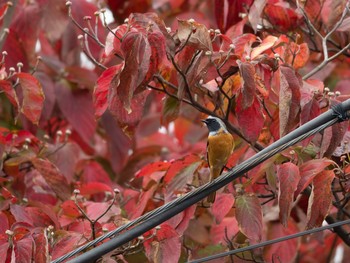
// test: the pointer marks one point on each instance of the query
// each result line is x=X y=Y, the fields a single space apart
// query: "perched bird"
x=219 y=148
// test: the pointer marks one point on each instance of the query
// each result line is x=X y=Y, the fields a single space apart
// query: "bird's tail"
x=211 y=198
x=214 y=173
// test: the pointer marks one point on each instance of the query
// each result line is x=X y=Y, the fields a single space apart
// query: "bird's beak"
x=204 y=120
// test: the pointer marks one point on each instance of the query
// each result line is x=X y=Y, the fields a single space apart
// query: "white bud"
x=191 y=21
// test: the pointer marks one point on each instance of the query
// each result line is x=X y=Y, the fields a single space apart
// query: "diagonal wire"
x=153 y=218
x=270 y=242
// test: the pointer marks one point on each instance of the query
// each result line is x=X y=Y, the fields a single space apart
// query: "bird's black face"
x=212 y=124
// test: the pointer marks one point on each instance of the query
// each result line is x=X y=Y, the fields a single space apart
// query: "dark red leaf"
x=23 y=250
x=220 y=14
x=309 y=170
x=130 y=119
x=289 y=177
x=10 y=93
x=41 y=245
x=4 y=250
x=320 y=200
x=53 y=177
x=84 y=78
x=248 y=90
x=77 y=107
x=289 y=100
x=281 y=16
x=249 y=216
x=33 y=96
x=337 y=132
x=101 y=89
x=136 y=52
x=251 y=120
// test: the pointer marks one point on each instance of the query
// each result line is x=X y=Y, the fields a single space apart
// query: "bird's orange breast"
x=220 y=147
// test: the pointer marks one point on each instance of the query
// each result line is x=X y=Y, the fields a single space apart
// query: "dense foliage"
x=100 y=123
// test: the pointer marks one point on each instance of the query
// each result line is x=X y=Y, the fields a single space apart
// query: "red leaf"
x=227 y=229
x=248 y=90
x=181 y=221
x=289 y=100
x=23 y=250
x=158 y=57
x=77 y=107
x=285 y=251
x=281 y=16
x=10 y=93
x=181 y=179
x=136 y=51
x=33 y=96
x=249 y=216
x=41 y=253
x=222 y=206
x=31 y=215
x=65 y=242
x=289 y=177
x=297 y=55
x=332 y=11
x=53 y=177
x=4 y=251
x=4 y=222
x=309 y=170
x=144 y=197
x=310 y=110
x=178 y=165
x=102 y=88
x=321 y=199
x=84 y=78
x=251 y=120
x=70 y=209
x=336 y=135
x=94 y=188
x=266 y=44
x=219 y=10
x=95 y=209
x=66 y=159
x=153 y=167
x=167 y=250
x=243 y=43
x=131 y=119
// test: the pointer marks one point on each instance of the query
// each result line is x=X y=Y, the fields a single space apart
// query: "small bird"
x=219 y=148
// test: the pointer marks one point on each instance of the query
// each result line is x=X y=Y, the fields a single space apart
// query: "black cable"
x=166 y=211
x=270 y=242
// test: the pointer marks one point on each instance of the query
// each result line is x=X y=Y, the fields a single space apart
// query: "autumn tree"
x=101 y=123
